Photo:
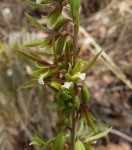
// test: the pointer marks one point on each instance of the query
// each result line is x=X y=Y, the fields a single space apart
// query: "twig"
x=126 y=137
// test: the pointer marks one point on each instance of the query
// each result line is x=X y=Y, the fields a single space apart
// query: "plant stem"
x=73 y=131
x=75 y=49
x=75 y=43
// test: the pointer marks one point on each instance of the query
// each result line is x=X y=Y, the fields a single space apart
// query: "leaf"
x=54 y=16
x=98 y=136
x=78 y=67
x=33 y=58
x=80 y=128
x=60 y=44
x=35 y=42
x=45 y=54
x=37 y=141
x=55 y=85
x=88 y=147
x=74 y=5
x=37 y=73
x=34 y=4
x=69 y=68
x=69 y=77
x=79 y=145
x=28 y=84
x=37 y=24
x=59 y=142
x=60 y=24
x=92 y=62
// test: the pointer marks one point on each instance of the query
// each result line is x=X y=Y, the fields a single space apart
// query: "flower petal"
x=67 y=85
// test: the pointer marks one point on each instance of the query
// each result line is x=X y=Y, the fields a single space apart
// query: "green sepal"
x=37 y=24
x=28 y=84
x=28 y=56
x=54 y=16
x=92 y=62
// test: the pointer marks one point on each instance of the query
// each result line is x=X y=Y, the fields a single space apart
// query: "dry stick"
x=104 y=58
x=126 y=137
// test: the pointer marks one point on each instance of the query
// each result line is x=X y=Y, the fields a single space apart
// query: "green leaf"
x=90 y=121
x=88 y=147
x=92 y=62
x=60 y=44
x=37 y=73
x=78 y=67
x=59 y=142
x=54 y=16
x=55 y=85
x=60 y=24
x=35 y=42
x=80 y=128
x=28 y=84
x=79 y=145
x=34 y=4
x=37 y=24
x=37 y=141
x=98 y=136
x=33 y=58
x=69 y=68
x=74 y=5
x=46 y=42
x=69 y=77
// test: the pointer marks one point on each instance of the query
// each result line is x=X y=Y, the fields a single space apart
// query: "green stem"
x=75 y=49
x=73 y=131
x=75 y=43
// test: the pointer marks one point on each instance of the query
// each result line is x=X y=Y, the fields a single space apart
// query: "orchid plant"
x=75 y=127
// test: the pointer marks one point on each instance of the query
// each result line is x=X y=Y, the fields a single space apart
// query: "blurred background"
x=105 y=24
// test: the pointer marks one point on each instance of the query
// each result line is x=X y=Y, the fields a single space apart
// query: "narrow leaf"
x=28 y=84
x=60 y=44
x=34 y=4
x=98 y=136
x=37 y=24
x=60 y=24
x=33 y=58
x=54 y=16
x=75 y=4
x=92 y=62
x=78 y=67
x=79 y=145
x=35 y=42
x=59 y=142
x=37 y=73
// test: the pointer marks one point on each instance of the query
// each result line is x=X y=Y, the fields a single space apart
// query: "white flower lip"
x=40 y=79
x=80 y=75
x=67 y=85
